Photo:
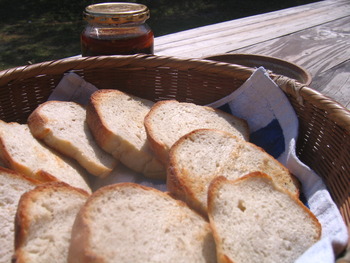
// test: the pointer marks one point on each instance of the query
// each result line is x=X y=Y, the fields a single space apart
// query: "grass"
x=28 y=42
x=41 y=30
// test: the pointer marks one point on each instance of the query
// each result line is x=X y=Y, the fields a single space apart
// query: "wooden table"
x=315 y=36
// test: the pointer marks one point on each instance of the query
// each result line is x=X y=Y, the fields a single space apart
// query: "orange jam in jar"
x=116 y=29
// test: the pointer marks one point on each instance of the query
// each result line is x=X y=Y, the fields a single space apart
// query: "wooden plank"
x=323 y=50
x=231 y=35
x=314 y=36
x=335 y=83
x=316 y=49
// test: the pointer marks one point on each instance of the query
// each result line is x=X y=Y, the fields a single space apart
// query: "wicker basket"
x=324 y=136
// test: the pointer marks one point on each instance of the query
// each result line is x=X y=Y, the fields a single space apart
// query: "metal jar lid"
x=116 y=13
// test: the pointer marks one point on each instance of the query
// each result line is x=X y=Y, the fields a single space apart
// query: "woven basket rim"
x=66 y=64
x=339 y=113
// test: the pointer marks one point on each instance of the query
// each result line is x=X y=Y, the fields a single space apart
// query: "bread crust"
x=23 y=220
x=36 y=123
x=19 y=175
x=98 y=127
x=161 y=149
x=214 y=189
x=214 y=185
x=142 y=161
x=42 y=154
x=44 y=128
x=180 y=181
x=8 y=208
x=220 y=254
x=80 y=248
x=12 y=164
x=79 y=251
x=179 y=188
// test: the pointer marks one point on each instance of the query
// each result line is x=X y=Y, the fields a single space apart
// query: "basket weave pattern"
x=324 y=135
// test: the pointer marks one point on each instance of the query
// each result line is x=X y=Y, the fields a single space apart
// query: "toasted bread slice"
x=169 y=120
x=62 y=126
x=44 y=221
x=200 y=156
x=23 y=153
x=12 y=186
x=254 y=220
x=116 y=121
x=128 y=222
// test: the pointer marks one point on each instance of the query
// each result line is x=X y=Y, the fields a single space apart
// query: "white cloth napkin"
x=73 y=88
x=274 y=127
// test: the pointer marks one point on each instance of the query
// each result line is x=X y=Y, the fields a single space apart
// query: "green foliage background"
x=33 y=31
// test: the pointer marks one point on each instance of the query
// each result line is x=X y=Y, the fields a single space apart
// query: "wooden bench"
x=315 y=36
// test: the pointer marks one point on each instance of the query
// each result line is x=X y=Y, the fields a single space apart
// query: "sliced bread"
x=23 y=153
x=254 y=220
x=200 y=156
x=169 y=120
x=116 y=121
x=12 y=186
x=44 y=221
x=62 y=126
x=128 y=222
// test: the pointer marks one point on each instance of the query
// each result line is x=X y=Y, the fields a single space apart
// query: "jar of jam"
x=116 y=29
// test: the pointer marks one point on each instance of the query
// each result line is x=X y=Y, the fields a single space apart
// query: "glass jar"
x=116 y=29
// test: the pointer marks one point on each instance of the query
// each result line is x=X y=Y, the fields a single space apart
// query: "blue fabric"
x=225 y=108
x=270 y=138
